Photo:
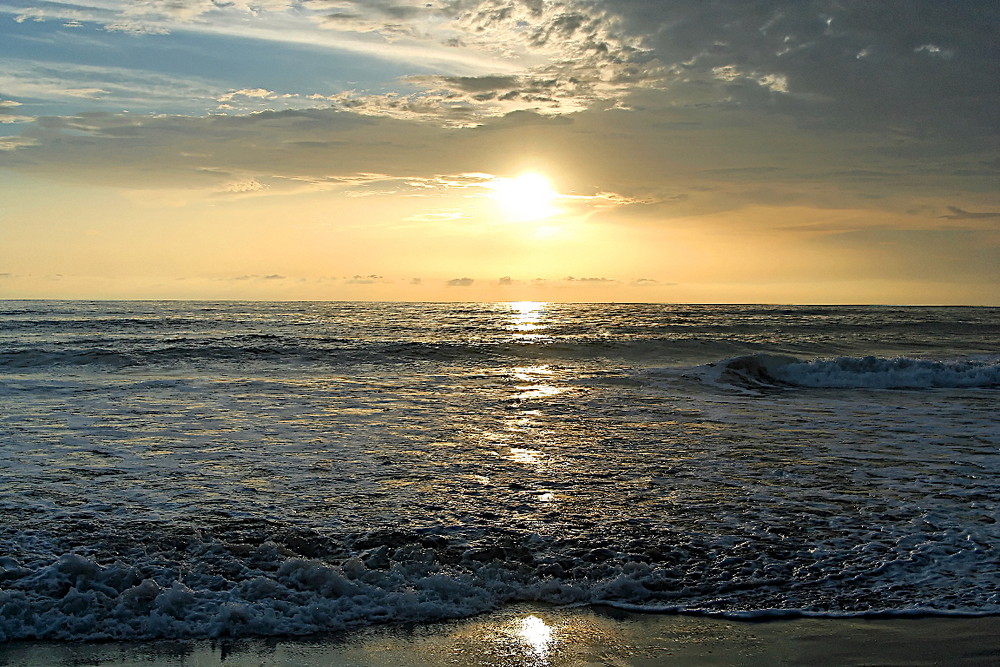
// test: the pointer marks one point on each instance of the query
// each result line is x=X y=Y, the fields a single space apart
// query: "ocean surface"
x=196 y=469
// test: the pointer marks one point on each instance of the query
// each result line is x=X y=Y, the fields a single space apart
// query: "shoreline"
x=536 y=634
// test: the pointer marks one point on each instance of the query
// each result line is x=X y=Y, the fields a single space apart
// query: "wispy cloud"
x=6 y=107
x=13 y=143
x=118 y=87
x=961 y=214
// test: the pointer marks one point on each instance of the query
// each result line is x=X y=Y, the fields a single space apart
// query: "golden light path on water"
x=526 y=318
x=533 y=384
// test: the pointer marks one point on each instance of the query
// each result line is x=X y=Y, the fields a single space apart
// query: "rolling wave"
x=870 y=372
x=110 y=354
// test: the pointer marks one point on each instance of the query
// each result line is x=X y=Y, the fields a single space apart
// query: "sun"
x=528 y=196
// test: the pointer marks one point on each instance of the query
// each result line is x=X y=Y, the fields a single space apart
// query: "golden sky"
x=607 y=150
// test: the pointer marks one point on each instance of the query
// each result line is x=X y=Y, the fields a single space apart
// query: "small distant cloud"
x=506 y=280
x=460 y=282
x=258 y=93
x=370 y=279
x=254 y=276
x=437 y=216
x=935 y=51
x=84 y=92
x=644 y=282
x=961 y=214
x=592 y=281
x=244 y=186
x=416 y=281
x=776 y=83
x=250 y=100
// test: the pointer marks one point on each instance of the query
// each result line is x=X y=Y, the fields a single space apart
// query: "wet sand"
x=532 y=634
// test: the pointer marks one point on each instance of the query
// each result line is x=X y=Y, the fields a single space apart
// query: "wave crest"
x=870 y=372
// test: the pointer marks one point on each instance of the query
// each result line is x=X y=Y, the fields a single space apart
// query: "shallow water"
x=203 y=469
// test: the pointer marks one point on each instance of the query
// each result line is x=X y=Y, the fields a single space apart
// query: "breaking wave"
x=297 y=584
x=762 y=370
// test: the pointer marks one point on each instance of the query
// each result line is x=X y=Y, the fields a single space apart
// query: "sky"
x=710 y=151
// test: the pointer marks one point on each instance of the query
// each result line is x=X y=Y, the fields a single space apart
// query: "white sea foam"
x=870 y=372
x=263 y=591
x=895 y=373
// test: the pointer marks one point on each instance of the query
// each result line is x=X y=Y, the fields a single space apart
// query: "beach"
x=540 y=635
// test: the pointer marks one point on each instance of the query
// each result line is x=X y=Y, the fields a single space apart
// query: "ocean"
x=199 y=469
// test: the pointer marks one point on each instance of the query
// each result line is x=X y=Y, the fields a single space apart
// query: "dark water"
x=202 y=469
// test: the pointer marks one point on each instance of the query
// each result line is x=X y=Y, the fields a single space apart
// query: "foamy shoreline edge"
x=535 y=634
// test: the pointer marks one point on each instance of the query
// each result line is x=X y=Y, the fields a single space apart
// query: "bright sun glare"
x=526 y=197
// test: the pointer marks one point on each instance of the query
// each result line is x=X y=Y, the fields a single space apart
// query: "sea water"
x=194 y=469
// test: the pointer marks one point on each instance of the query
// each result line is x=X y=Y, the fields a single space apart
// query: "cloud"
x=960 y=214
x=840 y=64
x=6 y=117
x=678 y=109
x=391 y=19
x=437 y=216
x=554 y=56
x=650 y=170
x=591 y=281
x=935 y=51
x=776 y=83
x=460 y=282
x=245 y=186
x=831 y=63
x=14 y=143
x=364 y=280
x=249 y=100
x=160 y=16
x=273 y=276
x=78 y=84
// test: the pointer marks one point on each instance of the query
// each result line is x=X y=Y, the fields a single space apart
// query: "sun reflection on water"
x=531 y=373
x=536 y=635
x=534 y=375
x=526 y=320
x=528 y=456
